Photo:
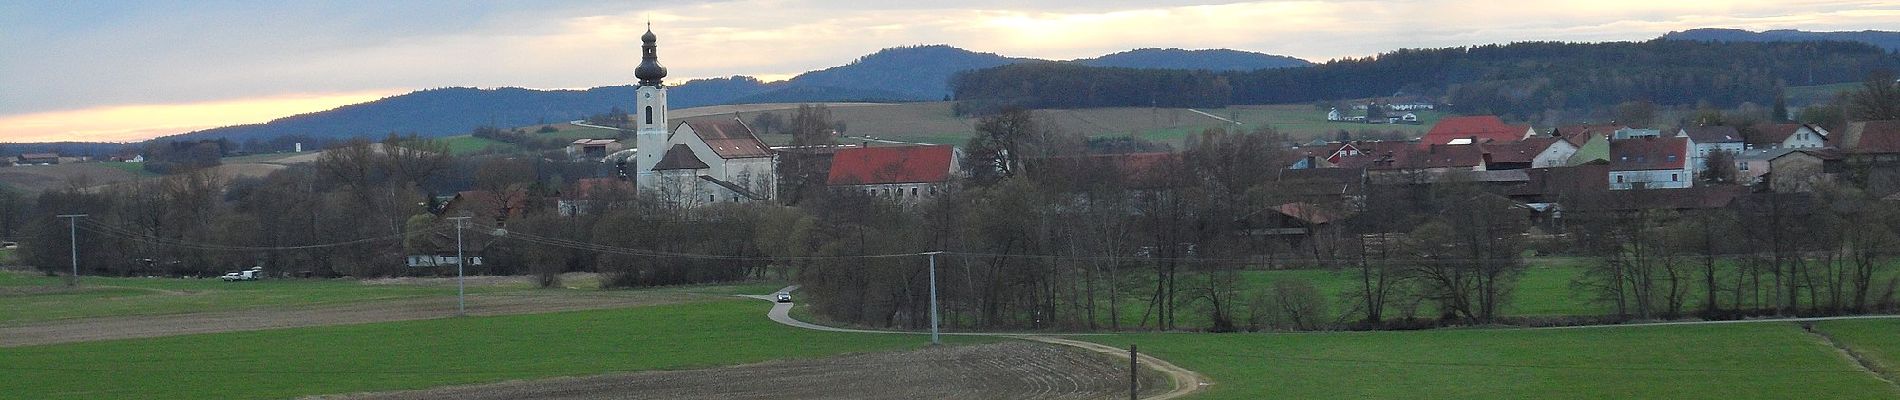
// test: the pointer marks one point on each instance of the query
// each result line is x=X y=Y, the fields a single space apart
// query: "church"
x=696 y=163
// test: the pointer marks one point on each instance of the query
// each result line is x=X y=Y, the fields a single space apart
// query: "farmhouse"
x=1650 y=163
x=698 y=163
x=37 y=159
x=1790 y=136
x=1709 y=139
x=906 y=174
x=1474 y=129
x=593 y=149
x=1537 y=152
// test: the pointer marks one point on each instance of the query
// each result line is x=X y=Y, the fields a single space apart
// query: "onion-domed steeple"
x=650 y=72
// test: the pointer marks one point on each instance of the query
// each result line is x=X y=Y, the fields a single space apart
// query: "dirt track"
x=90 y=329
x=1009 y=370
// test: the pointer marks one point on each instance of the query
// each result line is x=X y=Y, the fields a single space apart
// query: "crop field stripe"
x=421 y=354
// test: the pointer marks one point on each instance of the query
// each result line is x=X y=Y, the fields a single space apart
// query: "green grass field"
x=104 y=297
x=420 y=354
x=465 y=144
x=1878 y=341
x=1734 y=361
x=107 y=297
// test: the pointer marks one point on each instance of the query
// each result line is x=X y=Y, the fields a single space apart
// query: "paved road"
x=1185 y=381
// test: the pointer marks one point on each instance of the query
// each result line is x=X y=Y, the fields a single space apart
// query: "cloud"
x=58 y=56
x=144 y=121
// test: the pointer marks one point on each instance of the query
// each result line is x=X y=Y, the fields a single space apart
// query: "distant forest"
x=1519 y=79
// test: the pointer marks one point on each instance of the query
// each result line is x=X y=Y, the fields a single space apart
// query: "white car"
x=245 y=275
x=783 y=297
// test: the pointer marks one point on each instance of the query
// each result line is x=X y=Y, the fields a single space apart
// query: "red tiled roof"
x=1484 y=127
x=1648 y=153
x=1774 y=134
x=1874 y=137
x=730 y=139
x=882 y=165
x=1523 y=151
x=586 y=187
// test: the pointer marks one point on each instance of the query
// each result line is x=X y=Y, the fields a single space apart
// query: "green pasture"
x=421 y=354
x=1726 y=361
x=34 y=297
x=465 y=144
x=1876 y=340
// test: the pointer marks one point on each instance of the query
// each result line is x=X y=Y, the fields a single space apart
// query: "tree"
x=1638 y=114
x=1780 y=112
x=1721 y=167
x=1877 y=100
x=768 y=123
x=997 y=150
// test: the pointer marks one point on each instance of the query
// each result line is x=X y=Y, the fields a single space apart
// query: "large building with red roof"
x=903 y=173
x=1475 y=129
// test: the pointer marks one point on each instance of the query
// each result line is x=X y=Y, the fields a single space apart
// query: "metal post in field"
x=1134 y=373
x=934 y=338
x=461 y=302
x=72 y=232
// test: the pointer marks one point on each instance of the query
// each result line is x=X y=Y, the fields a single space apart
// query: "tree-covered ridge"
x=1513 y=79
x=1884 y=39
x=1207 y=59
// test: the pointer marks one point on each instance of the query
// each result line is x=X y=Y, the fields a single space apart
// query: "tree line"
x=1518 y=79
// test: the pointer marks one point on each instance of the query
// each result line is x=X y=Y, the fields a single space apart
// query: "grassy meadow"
x=1727 y=361
x=420 y=354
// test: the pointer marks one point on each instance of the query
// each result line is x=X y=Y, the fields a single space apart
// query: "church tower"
x=649 y=113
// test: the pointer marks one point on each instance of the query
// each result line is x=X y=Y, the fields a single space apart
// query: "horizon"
x=166 y=74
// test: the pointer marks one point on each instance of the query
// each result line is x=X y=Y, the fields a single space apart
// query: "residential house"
x=1304 y=227
x=1632 y=133
x=1536 y=152
x=1651 y=163
x=1580 y=134
x=1752 y=164
x=1789 y=136
x=1333 y=115
x=593 y=149
x=1474 y=129
x=906 y=174
x=37 y=159
x=1709 y=139
x=586 y=195
x=497 y=206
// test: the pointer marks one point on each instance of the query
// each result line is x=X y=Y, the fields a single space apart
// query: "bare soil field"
x=1006 y=370
x=90 y=329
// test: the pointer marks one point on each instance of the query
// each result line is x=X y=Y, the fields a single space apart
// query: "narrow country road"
x=1185 y=381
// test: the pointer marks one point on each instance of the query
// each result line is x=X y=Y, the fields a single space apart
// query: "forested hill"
x=917 y=73
x=1211 y=59
x=1519 y=79
x=1884 y=39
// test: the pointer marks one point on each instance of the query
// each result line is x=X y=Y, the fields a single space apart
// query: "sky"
x=131 y=70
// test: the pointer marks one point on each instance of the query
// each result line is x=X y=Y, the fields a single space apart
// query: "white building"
x=1710 y=139
x=1650 y=163
x=1792 y=136
x=697 y=163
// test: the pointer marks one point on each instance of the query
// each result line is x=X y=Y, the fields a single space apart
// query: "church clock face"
x=649 y=95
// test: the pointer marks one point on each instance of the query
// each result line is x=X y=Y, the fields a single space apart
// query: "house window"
x=1619 y=179
x=1741 y=166
x=913 y=192
x=1672 y=178
x=712 y=198
x=933 y=190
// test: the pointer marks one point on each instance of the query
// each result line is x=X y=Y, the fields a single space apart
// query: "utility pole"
x=1134 y=373
x=934 y=338
x=461 y=301
x=72 y=232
